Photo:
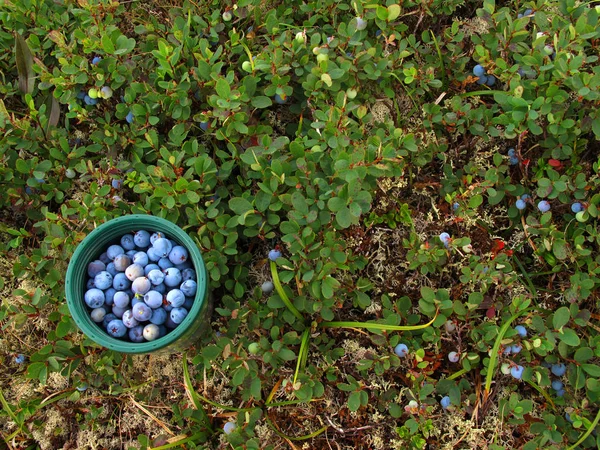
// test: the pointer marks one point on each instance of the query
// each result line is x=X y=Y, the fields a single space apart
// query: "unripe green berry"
x=254 y=348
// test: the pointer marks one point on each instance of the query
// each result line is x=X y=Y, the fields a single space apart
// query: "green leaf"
x=223 y=88
x=591 y=369
x=107 y=44
x=240 y=205
x=344 y=217
x=354 y=401
x=393 y=12
x=559 y=248
x=561 y=317
x=569 y=337
x=261 y=101
x=24 y=61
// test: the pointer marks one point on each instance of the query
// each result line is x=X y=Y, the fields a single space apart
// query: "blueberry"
x=172 y=277
x=96 y=60
x=131 y=254
x=20 y=358
x=141 y=238
x=453 y=357
x=160 y=288
x=121 y=299
x=175 y=298
x=94 y=298
x=109 y=295
x=121 y=282
x=104 y=258
x=478 y=70
x=528 y=12
x=455 y=206
x=189 y=303
x=81 y=95
x=90 y=101
x=82 y=387
x=141 y=312
x=568 y=417
x=178 y=254
x=445 y=238
x=520 y=204
x=267 y=287
x=151 y=332
x=165 y=263
x=204 y=126
x=159 y=316
x=576 y=207
x=280 y=99
x=169 y=322
x=98 y=314
x=401 y=350
x=445 y=402
x=521 y=330
x=544 y=206
x=116 y=328
x=361 y=23
x=136 y=334
x=113 y=251
x=103 y=280
x=517 y=372
x=155 y=236
x=110 y=268
x=184 y=265
x=129 y=117
x=525 y=196
x=513 y=160
x=274 y=254
x=108 y=318
x=163 y=247
x=141 y=258
x=507 y=350
x=188 y=274
x=557 y=385
x=134 y=271
x=95 y=267
x=482 y=80
x=129 y=320
x=156 y=276
x=516 y=348
x=558 y=369
x=189 y=288
x=153 y=255
x=150 y=267
x=178 y=315
x=560 y=393
x=122 y=262
x=141 y=285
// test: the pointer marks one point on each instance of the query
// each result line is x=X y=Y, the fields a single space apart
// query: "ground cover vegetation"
x=397 y=205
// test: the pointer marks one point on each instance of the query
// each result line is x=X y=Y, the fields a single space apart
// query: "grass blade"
x=303 y=353
x=585 y=435
x=282 y=293
x=300 y=438
x=376 y=326
x=193 y=394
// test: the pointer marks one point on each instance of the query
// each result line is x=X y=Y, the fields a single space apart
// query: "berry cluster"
x=488 y=80
x=142 y=287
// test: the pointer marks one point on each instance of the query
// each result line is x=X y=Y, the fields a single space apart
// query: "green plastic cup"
x=178 y=339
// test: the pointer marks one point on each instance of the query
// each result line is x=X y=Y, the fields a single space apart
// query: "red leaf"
x=491 y=313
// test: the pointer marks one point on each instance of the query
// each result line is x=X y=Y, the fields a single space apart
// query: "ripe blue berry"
x=129 y=117
x=141 y=312
x=557 y=385
x=520 y=204
x=516 y=348
x=280 y=99
x=162 y=246
x=401 y=350
x=153 y=299
x=544 y=206
x=94 y=298
x=113 y=251
x=445 y=238
x=274 y=254
x=172 y=277
x=178 y=315
x=445 y=402
x=478 y=70
x=95 y=267
x=558 y=369
x=482 y=79
x=141 y=238
x=116 y=328
x=133 y=272
x=141 y=285
x=20 y=358
x=136 y=334
x=576 y=207
x=122 y=262
x=491 y=80
x=229 y=427
x=129 y=320
x=517 y=372
x=525 y=196
x=98 y=314
x=175 y=298
x=116 y=184
x=189 y=288
x=178 y=255
x=453 y=357
x=521 y=330
x=96 y=60
x=165 y=263
x=120 y=282
x=159 y=316
x=121 y=299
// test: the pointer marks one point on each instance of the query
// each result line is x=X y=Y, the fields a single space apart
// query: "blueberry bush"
x=397 y=205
